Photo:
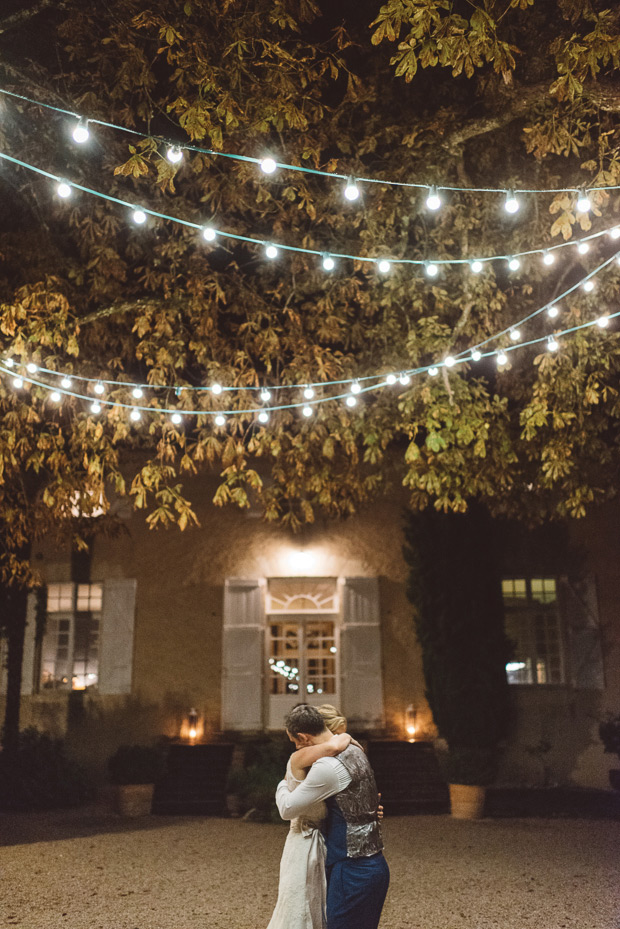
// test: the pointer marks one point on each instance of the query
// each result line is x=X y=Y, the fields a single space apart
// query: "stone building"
x=241 y=619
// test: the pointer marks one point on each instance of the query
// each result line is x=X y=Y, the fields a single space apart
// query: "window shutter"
x=243 y=655
x=29 y=645
x=360 y=653
x=580 y=609
x=116 y=636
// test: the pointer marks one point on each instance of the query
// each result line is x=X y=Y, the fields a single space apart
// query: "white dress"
x=302 y=888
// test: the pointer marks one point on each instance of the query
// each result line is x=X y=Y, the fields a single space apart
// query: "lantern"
x=410 y=722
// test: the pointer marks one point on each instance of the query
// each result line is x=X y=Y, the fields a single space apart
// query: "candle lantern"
x=410 y=722
x=193 y=724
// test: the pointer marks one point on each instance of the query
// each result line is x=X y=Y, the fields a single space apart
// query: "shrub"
x=255 y=784
x=39 y=776
x=136 y=764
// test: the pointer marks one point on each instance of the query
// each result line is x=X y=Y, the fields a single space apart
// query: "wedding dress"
x=302 y=888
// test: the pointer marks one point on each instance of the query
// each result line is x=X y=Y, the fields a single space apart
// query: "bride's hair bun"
x=334 y=720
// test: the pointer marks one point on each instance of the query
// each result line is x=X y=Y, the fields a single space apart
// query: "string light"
x=476 y=355
x=271 y=251
x=307 y=411
x=431 y=269
x=137 y=392
x=209 y=234
x=433 y=201
x=268 y=166
x=450 y=361
x=135 y=415
x=433 y=371
x=548 y=258
x=263 y=417
x=355 y=387
x=31 y=367
x=552 y=344
x=309 y=393
x=515 y=334
x=99 y=388
x=139 y=217
x=55 y=396
x=384 y=266
x=216 y=389
x=64 y=190
x=174 y=154
x=511 y=204
x=553 y=311
x=583 y=248
x=351 y=191
x=219 y=419
x=265 y=395
x=390 y=379
x=80 y=132
x=18 y=383
x=67 y=383
x=588 y=286
x=328 y=263
x=95 y=407
x=351 y=401
x=9 y=363
x=502 y=358
x=476 y=266
x=176 y=419
x=514 y=264
x=615 y=232
x=602 y=322
x=583 y=202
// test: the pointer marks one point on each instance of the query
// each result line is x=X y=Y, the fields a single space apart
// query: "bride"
x=302 y=888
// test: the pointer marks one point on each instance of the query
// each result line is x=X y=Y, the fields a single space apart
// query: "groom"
x=357 y=873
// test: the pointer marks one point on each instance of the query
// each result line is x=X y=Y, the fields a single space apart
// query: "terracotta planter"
x=614 y=778
x=133 y=799
x=467 y=801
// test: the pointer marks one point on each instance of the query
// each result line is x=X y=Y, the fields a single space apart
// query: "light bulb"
x=384 y=266
x=502 y=358
x=515 y=335
x=476 y=266
x=583 y=248
x=615 y=232
x=139 y=217
x=67 y=383
x=476 y=355
x=351 y=401
x=64 y=190
x=135 y=415
x=431 y=269
x=449 y=361
x=137 y=392
x=433 y=371
x=602 y=322
x=433 y=201
x=552 y=312
x=328 y=263
x=584 y=203
x=55 y=396
x=18 y=383
x=309 y=393
x=552 y=344
x=216 y=388
x=548 y=258
x=95 y=407
x=351 y=191
x=390 y=379
x=9 y=363
x=265 y=395
x=271 y=251
x=209 y=234
x=588 y=287
x=263 y=417
x=31 y=367
x=268 y=165
x=80 y=132
x=404 y=379
x=355 y=387
x=219 y=419
x=176 y=419
x=514 y=264
x=307 y=411
x=99 y=388
x=174 y=154
x=511 y=204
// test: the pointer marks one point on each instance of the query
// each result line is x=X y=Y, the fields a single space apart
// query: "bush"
x=39 y=776
x=475 y=766
x=136 y=764
x=255 y=784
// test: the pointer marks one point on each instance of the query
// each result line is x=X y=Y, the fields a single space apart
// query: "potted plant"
x=609 y=732
x=455 y=587
x=133 y=770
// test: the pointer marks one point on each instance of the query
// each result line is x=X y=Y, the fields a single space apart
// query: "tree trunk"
x=14 y=603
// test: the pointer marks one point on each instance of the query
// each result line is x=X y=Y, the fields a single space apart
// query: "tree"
x=499 y=95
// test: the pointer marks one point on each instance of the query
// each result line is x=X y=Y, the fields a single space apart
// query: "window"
x=302 y=658
x=533 y=626
x=70 y=647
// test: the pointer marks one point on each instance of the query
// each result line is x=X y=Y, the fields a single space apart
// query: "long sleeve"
x=326 y=777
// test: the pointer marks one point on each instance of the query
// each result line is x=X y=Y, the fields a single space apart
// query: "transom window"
x=533 y=626
x=70 y=647
x=302 y=595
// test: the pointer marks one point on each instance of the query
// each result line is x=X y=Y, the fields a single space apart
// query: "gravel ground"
x=89 y=870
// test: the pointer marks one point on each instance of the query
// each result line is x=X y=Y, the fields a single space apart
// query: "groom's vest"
x=352 y=827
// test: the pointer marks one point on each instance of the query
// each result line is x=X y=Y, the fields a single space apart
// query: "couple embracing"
x=333 y=874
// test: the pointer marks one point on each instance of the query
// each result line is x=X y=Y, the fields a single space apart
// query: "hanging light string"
x=138 y=387
x=269 y=165
x=431 y=266
x=309 y=404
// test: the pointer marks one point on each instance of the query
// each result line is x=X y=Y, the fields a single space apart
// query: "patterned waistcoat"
x=353 y=830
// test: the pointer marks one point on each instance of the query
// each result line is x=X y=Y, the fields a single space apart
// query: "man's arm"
x=323 y=781
x=305 y=757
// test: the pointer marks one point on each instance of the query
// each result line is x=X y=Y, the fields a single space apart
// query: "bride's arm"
x=304 y=758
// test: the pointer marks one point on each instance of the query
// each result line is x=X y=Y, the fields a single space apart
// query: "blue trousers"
x=356 y=891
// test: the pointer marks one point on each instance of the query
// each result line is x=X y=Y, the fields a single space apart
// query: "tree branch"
x=22 y=16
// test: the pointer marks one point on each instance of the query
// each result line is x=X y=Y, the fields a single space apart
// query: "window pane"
x=89 y=597
x=85 y=652
x=302 y=595
x=320 y=658
x=55 y=654
x=59 y=598
x=533 y=626
x=284 y=658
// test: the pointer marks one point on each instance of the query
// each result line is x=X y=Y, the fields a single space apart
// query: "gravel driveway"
x=88 y=870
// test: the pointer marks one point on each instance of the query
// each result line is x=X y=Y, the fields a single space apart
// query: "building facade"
x=241 y=620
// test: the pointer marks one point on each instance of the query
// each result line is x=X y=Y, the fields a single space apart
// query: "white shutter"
x=243 y=655
x=116 y=636
x=580 y=610
x=360 y=653
x=29 y=645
